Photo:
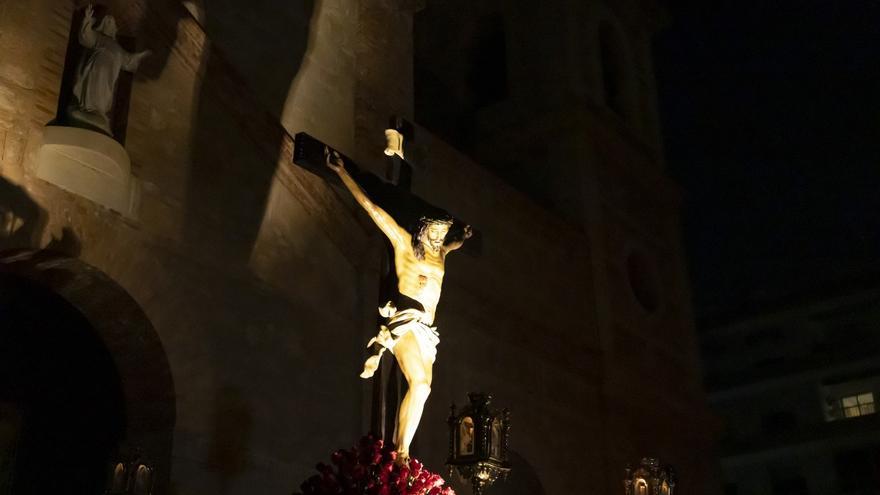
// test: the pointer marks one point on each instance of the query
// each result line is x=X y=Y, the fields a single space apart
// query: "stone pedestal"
x=91 y=165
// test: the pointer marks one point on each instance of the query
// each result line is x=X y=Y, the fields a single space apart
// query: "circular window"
x=641 y=270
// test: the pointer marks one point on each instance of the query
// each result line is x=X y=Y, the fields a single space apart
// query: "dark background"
x=771 y=116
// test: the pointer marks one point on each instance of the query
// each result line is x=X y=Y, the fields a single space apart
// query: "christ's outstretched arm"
x=395 y=233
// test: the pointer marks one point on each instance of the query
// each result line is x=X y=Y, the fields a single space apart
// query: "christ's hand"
x=333 y=160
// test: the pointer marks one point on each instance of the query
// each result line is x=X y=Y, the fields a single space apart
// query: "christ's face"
x=434 y=236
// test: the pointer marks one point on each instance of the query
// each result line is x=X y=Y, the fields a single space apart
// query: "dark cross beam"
x=406 y=208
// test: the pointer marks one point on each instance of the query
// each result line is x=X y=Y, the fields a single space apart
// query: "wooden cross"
x=406 y=208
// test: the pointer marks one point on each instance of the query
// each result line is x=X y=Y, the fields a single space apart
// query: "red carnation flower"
x=369 y=469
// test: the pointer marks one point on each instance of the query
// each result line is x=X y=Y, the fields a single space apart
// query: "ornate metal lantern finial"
x=650 y=478
x=478 y=442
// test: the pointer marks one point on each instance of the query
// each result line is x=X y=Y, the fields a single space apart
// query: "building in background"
x=796 y=382
x=219 y=323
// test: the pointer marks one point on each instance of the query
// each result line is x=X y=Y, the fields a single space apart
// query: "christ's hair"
x=422 y=228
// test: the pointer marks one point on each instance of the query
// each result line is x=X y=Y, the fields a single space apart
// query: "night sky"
x=771 y=120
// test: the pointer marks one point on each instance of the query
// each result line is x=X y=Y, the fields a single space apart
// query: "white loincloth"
x=399 y=324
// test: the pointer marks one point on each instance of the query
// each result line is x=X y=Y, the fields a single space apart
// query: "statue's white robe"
x=95 y=85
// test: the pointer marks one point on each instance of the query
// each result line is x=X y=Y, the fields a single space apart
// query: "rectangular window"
x=854 y=406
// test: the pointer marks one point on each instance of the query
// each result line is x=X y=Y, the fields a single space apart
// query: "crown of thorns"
x=436 y=221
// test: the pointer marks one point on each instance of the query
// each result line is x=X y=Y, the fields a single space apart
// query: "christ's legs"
x=417 y=371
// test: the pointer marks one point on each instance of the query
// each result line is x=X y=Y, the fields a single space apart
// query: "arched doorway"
x=84 y=380
x=61 y=395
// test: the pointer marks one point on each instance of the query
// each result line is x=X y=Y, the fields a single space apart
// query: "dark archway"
x=85 y=380
x=62 y=399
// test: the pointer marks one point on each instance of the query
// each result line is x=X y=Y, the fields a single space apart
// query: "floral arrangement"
x=370 y=468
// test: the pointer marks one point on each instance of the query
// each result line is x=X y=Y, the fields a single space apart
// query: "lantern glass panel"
x=641 y=488
x=466 y=436
x=495 y=442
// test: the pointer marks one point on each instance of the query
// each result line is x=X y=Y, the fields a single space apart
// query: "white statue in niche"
x=95 y=84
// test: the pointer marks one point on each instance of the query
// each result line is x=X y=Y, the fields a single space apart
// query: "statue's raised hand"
x=333 y=160
x=89 y=17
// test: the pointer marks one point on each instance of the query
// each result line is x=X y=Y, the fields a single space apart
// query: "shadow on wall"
x=252 y=54
x=256 y=50
x=22 y=220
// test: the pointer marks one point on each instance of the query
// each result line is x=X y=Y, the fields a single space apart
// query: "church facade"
x=211 y=324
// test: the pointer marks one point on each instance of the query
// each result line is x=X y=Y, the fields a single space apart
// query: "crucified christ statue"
x=419 y=259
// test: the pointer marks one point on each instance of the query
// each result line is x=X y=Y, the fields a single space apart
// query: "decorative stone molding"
x=90 y=164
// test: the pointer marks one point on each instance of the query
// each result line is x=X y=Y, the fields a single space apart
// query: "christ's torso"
x=420 y=279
